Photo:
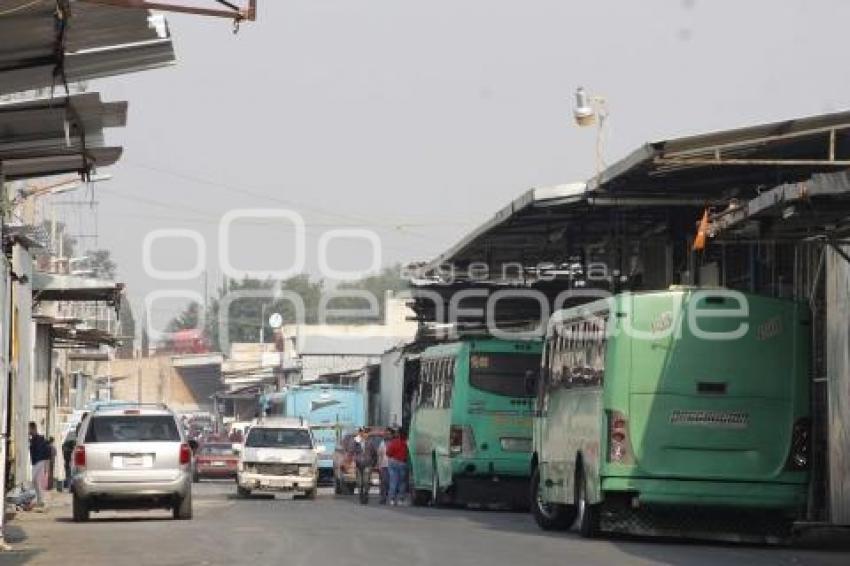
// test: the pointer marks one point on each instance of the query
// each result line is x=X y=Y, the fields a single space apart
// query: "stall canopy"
x=49 y=136
x=53 y=287
x=49 y=43
x=634 y=225
x=662 y=190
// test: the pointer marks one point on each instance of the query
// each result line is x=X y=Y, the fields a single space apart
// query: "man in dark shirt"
x=40 y=454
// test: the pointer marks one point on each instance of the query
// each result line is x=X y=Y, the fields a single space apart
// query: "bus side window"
x=450 y=381
x=426 y=386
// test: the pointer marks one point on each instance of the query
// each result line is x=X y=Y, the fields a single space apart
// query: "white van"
x=278 y=455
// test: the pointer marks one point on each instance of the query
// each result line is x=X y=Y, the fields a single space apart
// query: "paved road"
x=340 y=532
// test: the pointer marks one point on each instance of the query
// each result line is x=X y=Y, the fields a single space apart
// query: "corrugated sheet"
x=99 y=41
x=838 y=384
x=50 y=136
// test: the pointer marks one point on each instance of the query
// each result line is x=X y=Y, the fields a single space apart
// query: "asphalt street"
x=339 y=531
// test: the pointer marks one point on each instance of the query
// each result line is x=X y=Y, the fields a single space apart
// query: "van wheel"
x=81 y=511
x=242 y=491
x=549 y=516
x=183 y=508
x=588 y=515
x=310 y=494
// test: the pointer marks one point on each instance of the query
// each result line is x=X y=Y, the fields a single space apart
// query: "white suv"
x=131 y=457
x=278 y=455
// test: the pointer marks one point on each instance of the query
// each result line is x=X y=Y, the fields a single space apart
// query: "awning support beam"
x=234 y=12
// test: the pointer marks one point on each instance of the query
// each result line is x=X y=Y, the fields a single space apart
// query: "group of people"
x=388 y=453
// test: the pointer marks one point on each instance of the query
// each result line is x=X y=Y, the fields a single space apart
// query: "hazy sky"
x=419 y=119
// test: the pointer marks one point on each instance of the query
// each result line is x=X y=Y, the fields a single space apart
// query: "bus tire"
x=587 y=514
x=438 y=497
x=549 y=516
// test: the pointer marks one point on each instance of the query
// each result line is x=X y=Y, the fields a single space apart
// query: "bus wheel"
x=438 y=498
x=549 y=516
x=588 y=515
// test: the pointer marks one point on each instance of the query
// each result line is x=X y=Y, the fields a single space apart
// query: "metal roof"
x=55 y=287
x=660 y=189
x=46 y=43
x=737 y=159
x=48 y=136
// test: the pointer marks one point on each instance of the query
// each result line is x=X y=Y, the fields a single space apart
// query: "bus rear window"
x=511 y=375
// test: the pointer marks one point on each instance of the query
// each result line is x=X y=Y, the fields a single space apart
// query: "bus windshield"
x=511 y=375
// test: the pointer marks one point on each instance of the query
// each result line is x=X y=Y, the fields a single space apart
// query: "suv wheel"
x=81 y=509
x=183 y=508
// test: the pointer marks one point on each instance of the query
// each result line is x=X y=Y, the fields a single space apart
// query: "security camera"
x=583 y=112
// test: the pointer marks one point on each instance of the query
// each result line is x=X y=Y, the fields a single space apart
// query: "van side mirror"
x=193 y=444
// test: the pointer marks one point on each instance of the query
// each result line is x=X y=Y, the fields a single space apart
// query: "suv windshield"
x=279 y=438
x=512 y=375
x=133 y=428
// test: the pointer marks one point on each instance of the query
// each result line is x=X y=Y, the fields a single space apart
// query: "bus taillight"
x=799 y=458
x=618 y=438
x=461 y=440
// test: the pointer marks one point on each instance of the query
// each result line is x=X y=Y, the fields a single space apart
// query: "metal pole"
x=263 y=323
x=5 y=352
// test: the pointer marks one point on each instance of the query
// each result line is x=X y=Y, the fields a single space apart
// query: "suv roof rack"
x=124 y=405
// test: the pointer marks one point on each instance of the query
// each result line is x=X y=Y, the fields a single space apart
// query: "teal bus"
x=470 y=432
x=678 y=412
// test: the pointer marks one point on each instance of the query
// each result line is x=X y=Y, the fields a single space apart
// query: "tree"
x=187 y=319
x=127 y=333
x=101 y=264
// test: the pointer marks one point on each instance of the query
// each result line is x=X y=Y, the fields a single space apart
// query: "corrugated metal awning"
x=45 y=42
x=55 y=287
x=41 y=137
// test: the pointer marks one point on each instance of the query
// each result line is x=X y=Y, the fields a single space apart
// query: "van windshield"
x=133 y=428
x=511 y=375
x=279 y=438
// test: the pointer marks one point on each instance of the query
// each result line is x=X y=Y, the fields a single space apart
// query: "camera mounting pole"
x=230 y=11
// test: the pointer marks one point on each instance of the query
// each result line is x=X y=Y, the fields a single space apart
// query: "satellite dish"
x=276 y=320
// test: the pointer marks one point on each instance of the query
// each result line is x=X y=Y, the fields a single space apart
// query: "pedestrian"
x=397 y=460
x=384 y=466
x=40 y=453
x=68 y=455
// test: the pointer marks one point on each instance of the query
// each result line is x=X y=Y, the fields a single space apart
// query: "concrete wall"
x=838 y=384
x=392 y=382
x=159 y=382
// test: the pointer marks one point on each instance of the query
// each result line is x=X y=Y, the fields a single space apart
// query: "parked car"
x=278 y=455
x=131 y=457
x=215 y=460
x=345 y=460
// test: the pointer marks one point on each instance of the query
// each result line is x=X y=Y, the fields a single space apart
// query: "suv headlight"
x=305 y=470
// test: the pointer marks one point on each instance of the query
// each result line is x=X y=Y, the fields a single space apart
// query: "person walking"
x=397 y=461
x=384 y=466
x=40 y=454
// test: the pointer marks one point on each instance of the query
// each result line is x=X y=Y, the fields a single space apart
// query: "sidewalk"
x=17 y=527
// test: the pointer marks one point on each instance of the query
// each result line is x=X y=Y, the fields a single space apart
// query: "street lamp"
x=590 y=110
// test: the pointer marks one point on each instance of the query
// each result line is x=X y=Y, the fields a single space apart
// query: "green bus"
x=470 y=432
x=679 y=412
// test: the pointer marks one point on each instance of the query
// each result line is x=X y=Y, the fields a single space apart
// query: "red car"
x=215 y=460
